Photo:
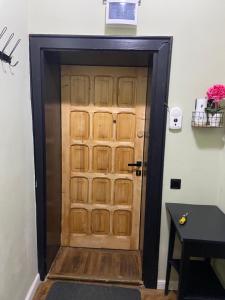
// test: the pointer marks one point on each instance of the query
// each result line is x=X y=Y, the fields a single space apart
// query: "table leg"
x=184 y=272
x=170 y=255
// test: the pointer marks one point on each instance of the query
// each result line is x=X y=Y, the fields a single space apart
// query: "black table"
x=202 y=236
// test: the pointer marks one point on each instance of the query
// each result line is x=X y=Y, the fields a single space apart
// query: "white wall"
x=18 y=255
x=198 y=61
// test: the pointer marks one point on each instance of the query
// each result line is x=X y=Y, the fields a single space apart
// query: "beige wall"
x=198 y=61
x=220 y=264
x=18 y=255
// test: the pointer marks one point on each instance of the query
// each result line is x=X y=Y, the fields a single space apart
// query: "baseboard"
x=33 y=288
x=161 y=285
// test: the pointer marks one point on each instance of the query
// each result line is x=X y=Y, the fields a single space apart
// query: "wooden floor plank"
x=43 y=290
x=146 y=294
x=97 y=265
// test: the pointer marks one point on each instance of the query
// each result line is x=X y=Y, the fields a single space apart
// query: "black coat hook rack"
x=7 y=58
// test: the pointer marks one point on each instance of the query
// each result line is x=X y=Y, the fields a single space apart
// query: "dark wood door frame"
x=160 y=48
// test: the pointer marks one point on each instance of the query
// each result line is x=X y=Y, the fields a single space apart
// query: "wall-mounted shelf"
x=207 y=120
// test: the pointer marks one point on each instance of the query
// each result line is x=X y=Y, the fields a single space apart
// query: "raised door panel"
x=125 y=127
x=102 y=159
x=122 y=222
x=80 y=124
x=126 y=92
x=100 y=221
x=80 y=90
x=123 y=192
x=79 y=158
x=124 y=156
x=79 y=221
x=79 y=190
x=103 y=91
x=101 y=190
x=103 y=126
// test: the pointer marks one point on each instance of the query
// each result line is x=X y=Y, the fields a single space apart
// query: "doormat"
x=77 y=291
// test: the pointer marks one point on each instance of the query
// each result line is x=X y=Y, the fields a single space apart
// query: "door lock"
x=138 y=164
x=138 y=172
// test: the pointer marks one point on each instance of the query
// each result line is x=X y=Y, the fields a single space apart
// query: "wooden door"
x=103 y=116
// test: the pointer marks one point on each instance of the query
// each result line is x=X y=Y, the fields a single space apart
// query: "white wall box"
x=121 y=12
x=175 y=122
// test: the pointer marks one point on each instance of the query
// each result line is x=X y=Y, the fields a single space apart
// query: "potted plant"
x=215 y=104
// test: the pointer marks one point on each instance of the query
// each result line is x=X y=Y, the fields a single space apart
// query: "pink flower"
x=216 y=92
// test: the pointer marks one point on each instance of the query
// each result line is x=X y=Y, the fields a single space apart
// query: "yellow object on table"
x=183 y=219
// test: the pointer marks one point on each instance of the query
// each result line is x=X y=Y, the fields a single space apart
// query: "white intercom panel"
x=175 y=118
x=121 y=12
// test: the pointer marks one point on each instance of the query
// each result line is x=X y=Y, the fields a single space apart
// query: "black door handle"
x=137 y=164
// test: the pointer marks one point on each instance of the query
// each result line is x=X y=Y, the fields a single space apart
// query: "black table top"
x=205 y=223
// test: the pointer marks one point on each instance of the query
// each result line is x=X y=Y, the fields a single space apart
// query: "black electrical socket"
x=175 y=184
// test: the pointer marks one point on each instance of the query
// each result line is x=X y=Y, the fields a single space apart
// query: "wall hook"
x=10 y=55
x=8 y=58
x=14 y=65
x=3 y=32
x=7 y=43
x=14 y=48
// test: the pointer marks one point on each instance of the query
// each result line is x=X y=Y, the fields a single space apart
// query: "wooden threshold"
x=97 y=265
x=146 y=294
